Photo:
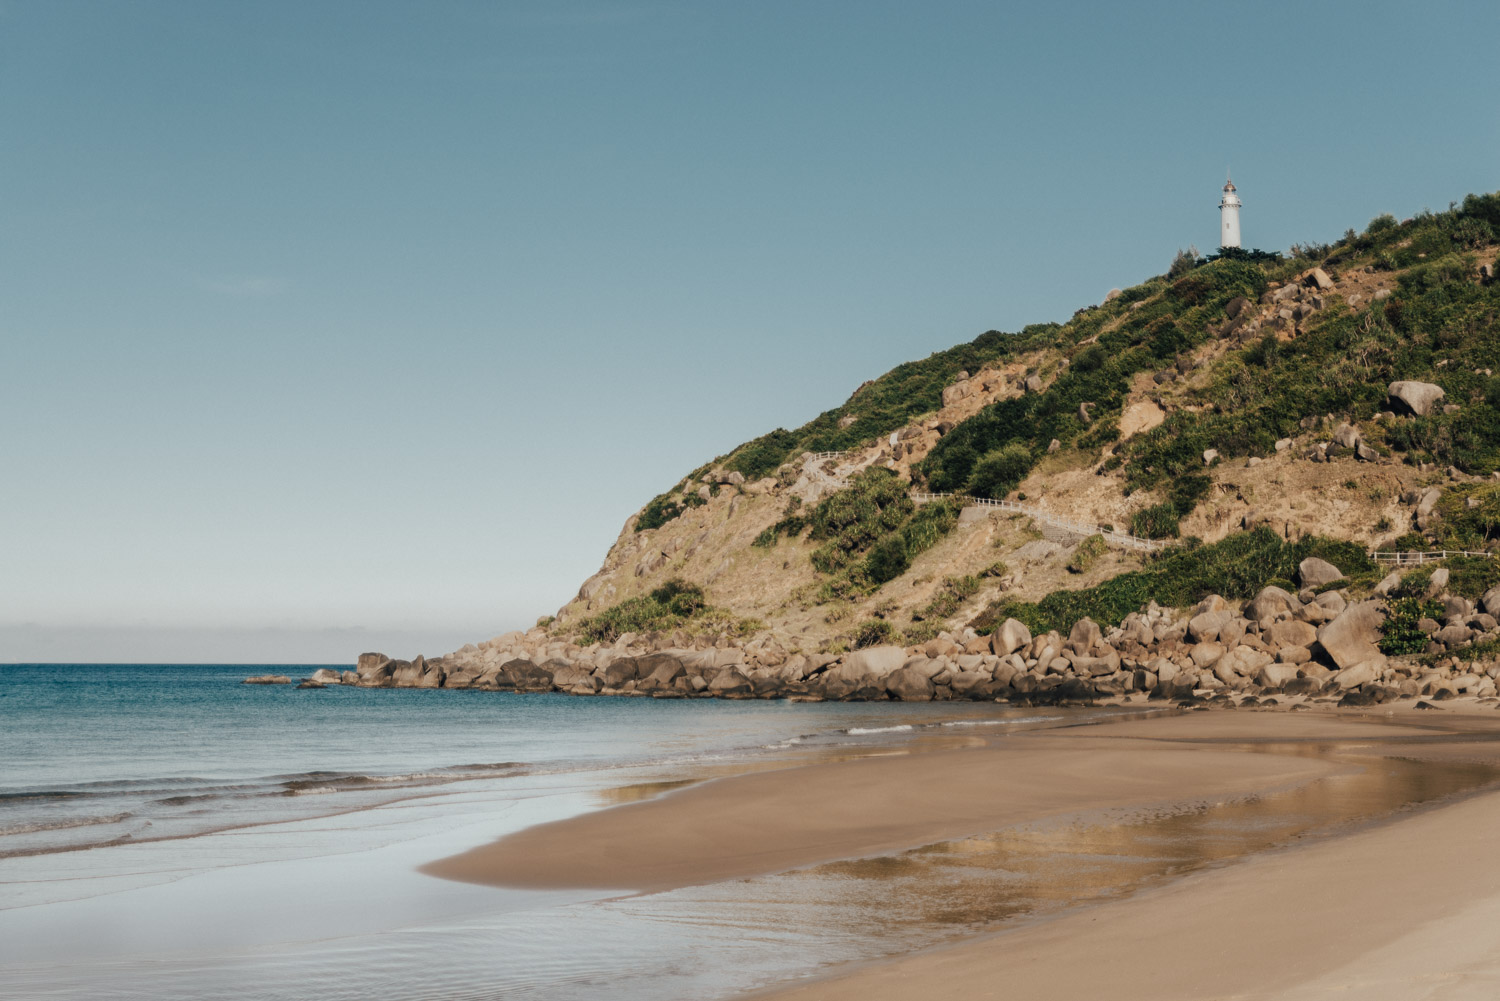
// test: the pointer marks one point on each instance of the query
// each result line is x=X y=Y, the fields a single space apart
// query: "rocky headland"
x=1247 y=478
x=1278 y=648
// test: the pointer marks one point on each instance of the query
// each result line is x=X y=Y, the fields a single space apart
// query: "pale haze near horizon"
x=332 y=326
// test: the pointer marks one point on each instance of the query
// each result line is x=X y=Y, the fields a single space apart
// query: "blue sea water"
x=169 y=832
x=100 y=754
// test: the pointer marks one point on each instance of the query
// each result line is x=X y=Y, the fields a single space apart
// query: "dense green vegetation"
x=1086 y=554
x=1237 y=567
x=1438 y=326
x=877 y=408
x=872 y=632
x=1400 y=635
x=1010 y=434
x=871 y=531
x=676 y=604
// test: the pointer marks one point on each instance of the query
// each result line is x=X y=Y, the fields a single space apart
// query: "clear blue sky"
x=328 y=325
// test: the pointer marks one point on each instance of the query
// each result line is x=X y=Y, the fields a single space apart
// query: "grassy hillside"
x=1219 y=350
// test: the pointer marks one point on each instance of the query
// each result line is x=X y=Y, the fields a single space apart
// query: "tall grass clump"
x=670 y=606
x=871 y=531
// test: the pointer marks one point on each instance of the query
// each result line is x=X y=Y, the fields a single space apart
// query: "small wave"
x=184 y=800
x=857 y=731
x=1001 y=722
x=7 y=798
x=345 y=781
x=62 y=825
x=311 y=791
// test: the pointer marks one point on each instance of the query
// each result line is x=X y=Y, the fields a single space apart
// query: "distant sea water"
x=168 y=832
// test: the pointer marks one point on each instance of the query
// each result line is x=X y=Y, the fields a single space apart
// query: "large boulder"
x=730 y=681
x=1352 y=636
x=325 y=676
x=1276 y=675
x=369 y=663
x=575 y=678
x=871 y=662
x=1271 y=602
x=909 y=685
x=1362 y=673
x=1318 y=278
x=1454 y=635
x=660 y=669
x=404 y=673
x=1314 y=572
x=524 y=676
x=1010 y=637
x=1096 y=666
x=1491 y=601
x=1205 y=626
x=1415 y=397
x=1291 y=633
x=1244 y=661
x=1084 y=636
x=1207 y=654
x=620 y=671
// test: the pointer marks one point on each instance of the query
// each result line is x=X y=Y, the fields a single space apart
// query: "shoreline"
x=1381 y=912
x=1186 y=935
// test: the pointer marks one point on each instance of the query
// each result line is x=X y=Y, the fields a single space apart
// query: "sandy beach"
x=1403 y=906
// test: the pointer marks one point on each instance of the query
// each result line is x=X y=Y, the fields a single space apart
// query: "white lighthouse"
x=1229 y=217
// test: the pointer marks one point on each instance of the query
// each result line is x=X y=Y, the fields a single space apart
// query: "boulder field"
x=1305 y=644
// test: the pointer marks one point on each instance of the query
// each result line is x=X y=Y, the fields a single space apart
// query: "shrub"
x=871 y=531
x=1187 y=490
x=1414 y=583
x=1400 y=635
x=950 y=594
x=1087 y=554
x=658 y=512
x=852 y=520
x=882 y=405
x=919 y=632
x=1472 y=576
x=1156 y=522
x=872 y=632
x=1001 y=471
x=1183 y=262
x=666 y=607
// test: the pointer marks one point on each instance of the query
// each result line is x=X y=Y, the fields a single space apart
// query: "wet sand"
x=770 y=822
x=1404 y=908
x=1401 y=908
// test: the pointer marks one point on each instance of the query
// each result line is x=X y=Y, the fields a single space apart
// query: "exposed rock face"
x=1319 y=279
x=1009 y=637
x=1416 y=398
x=1315 y=572
x=1295 y=646
x=1351 y=637
x=910 y=685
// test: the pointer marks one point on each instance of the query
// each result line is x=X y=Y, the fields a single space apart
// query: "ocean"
x=168 y=832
